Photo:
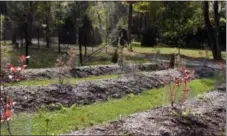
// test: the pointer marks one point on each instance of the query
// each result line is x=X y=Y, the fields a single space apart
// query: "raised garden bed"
x=81 y=116
x=87 y=92
x=206 y=115
x=86 y=71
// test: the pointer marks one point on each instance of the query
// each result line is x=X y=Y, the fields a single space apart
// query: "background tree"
x=130 y=12
x=216 y=18
x=86 y=34
x=210 y=31
x=179 y=20
x=146 y=21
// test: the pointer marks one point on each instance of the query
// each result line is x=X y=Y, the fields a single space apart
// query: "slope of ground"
x=204 y=115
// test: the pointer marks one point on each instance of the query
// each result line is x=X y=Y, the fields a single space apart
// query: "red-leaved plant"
x=7 y=103
x=15 y=71
x=184 y=80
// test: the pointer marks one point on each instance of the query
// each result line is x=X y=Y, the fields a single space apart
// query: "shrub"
x=6 y=102
x=180 y=84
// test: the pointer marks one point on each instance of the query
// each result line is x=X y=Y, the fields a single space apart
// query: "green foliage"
x=142 y=6
x=131 y=95
x=181 y=18
x=122 y=23
x=59 y=11
x=151 y=7
x=20 y=126
x=98 y=14
x=108 y=16
x=175 y=20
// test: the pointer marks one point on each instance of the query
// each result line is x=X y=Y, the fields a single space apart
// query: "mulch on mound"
x=207 y=116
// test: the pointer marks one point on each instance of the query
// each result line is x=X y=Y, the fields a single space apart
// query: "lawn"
x=46 y=57
x=40 y=58
x=45 y=82
x=77 y=117
x=194 y=53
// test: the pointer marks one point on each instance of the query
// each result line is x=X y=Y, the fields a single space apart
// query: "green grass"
x=98 y=63
x=77 y=117
x=168 y=50
x=126 y=61
x=40 y=58
x=46 y=57
x=45 y=82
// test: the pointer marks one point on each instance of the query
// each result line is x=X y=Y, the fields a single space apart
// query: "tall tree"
x=130 y=12
x=30 y=19
x=217 y=18
x=178 y=19
x=86 y=33
x=210 y=32
x=47 y=21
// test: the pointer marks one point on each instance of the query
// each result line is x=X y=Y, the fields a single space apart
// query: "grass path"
x=45 y=82
x=77 y=117
x=194 y=53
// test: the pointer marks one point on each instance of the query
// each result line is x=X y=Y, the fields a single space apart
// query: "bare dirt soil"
x=206 y=116
x=88 y=92
x=85 y=71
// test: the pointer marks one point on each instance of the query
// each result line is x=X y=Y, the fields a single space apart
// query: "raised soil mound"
x=87 y=92
x=207 y=116
x=86 y=71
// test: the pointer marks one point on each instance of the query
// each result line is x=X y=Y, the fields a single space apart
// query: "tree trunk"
x=80 y=44
x=130 y=21
x=85 y=50
x=47 y=36
x=141 y=26
x=21 y=37
x=30 y=19
x=216 y=18
x=26 y=41
x=172 y=61
x=59 y=44
x=210 y=32
x=38 y=31
x=14 y=36
x=85 y=42
x=81 y=56
x=107 y=19
x=47 y=26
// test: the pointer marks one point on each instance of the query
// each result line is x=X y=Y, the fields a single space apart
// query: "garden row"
x=86 y=71
x=203 y=115
x=88 y=92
